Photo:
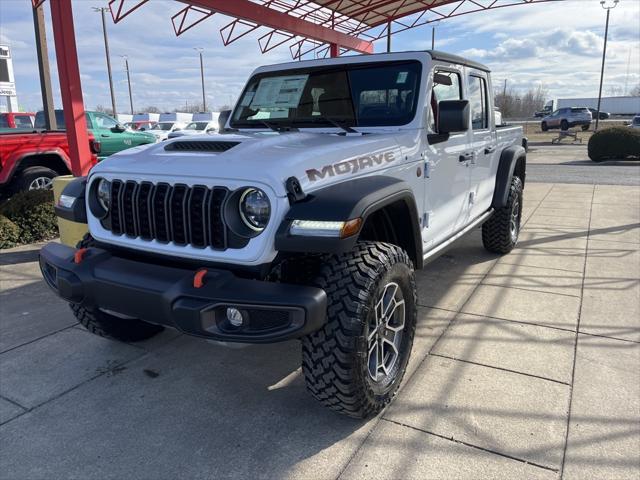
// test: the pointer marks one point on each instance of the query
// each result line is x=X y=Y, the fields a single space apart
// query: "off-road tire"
x=110 y=326
x=497 y=235
x=31 y=174
x=335 y=358
x=544 y=127
x=564 y=125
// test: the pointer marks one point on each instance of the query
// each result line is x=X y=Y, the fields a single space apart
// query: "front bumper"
x=167 y=296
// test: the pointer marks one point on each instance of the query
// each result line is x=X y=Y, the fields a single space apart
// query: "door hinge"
x=428 y=167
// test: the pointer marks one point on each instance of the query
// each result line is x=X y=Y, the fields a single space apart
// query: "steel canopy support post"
x=70 y=86
x=334 y=50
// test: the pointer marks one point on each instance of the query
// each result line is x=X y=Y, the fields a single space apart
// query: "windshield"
x=163 y=126
x=196 y=126
x=383 y=94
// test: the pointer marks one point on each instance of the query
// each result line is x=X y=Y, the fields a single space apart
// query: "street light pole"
x=608 y=8
x=106 y=51
x=126 y=66
x=204 y=98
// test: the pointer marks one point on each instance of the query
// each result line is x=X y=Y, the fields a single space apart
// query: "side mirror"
x=222 y=119
x=118 y=129
x=453 y=116
x=177 y=129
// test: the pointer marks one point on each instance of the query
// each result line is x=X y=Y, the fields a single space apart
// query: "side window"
x=23 y=121
x=446 y=86
x=478 y=103
x=4 y=123
x=104 y=122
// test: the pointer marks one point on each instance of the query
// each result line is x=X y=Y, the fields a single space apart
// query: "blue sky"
x=557 y=45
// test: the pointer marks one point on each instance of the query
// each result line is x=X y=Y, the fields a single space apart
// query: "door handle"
x=489 y=150
x=105 y=135
x=465 y=157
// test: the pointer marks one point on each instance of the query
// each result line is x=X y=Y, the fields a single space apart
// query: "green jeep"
x=113 y=136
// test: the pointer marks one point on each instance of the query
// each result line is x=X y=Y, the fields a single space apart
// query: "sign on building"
x=8 y=98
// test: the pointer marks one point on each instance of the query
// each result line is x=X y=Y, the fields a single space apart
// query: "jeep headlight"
x=255 y=209
x=103 y=194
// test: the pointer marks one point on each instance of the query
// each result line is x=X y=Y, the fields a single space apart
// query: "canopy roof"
x=319 y=26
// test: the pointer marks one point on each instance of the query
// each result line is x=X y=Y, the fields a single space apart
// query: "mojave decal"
x=350 y=166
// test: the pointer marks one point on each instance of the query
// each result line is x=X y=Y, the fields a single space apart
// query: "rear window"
x=23 y=121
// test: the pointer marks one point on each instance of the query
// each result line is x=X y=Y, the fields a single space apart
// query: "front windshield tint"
x=196 y=126
x=163 y=126
x=371 y=95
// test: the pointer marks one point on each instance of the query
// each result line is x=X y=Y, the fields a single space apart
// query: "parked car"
x=16 y=120
x=635 y=123
x=602 y=116
x=308 y=224
x=113 y=136
x=566 y=118
x=170 y=122
x=141 y=126
x=29 y=160
x=196 y=128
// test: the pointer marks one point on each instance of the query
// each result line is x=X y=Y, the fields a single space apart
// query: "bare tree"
x=635 y=91
x=516 y=105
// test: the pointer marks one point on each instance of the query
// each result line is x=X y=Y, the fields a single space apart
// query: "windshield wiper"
x=335 y=123
x=278 y=127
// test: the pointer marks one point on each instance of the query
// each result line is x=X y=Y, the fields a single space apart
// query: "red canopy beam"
x=269 y=17
x=70 y=86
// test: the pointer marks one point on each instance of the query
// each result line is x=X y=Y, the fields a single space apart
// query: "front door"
x=447 y=168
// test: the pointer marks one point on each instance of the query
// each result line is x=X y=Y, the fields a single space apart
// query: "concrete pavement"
x=525 y=366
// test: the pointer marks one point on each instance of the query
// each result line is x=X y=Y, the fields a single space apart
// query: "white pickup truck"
x=333 y=181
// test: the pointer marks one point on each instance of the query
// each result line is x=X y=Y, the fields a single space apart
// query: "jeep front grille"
x=168 y=213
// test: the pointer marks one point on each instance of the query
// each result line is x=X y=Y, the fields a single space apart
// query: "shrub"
x=33 y=213
x=614 y=143
x=9 y=233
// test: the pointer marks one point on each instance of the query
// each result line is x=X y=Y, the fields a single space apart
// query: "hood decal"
x=350 y=166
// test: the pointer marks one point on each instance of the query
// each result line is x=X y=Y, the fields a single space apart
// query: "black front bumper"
x=167 y=296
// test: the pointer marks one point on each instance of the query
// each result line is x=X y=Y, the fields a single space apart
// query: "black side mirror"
x=453 y=116
x=118 y=129
x=222 y=119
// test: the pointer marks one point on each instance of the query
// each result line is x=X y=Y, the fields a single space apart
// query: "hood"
x=270 y=158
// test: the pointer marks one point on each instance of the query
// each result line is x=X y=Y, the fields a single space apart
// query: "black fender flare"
x=508 y=160
x=345 y=201
x=77 y=212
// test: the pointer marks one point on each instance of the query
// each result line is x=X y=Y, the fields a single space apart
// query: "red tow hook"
x=198 y=278
x=79 y=255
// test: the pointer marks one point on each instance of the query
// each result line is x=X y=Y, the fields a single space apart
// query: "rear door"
x=447 y=170
x=483 y=144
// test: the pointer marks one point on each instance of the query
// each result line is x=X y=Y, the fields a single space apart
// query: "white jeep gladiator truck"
x=332 y=182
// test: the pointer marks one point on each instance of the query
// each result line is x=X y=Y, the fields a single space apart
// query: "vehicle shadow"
x=184 y=408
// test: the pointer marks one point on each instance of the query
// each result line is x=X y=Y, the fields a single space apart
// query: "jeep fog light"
x=235 y=317
x=317 y=228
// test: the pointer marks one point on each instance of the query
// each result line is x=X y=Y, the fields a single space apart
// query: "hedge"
x=28 y=217
x=615 y=143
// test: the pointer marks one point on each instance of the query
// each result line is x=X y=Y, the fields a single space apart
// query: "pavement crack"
x=500 y=368
x=575 y=345
x=471 y=445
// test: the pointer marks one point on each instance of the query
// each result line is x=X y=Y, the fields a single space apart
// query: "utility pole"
x=504 y=92
x=43 y=68
x=204 y=98
x=608 y=8
x=126 y=66
x=102 y=10
x=433 y=38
